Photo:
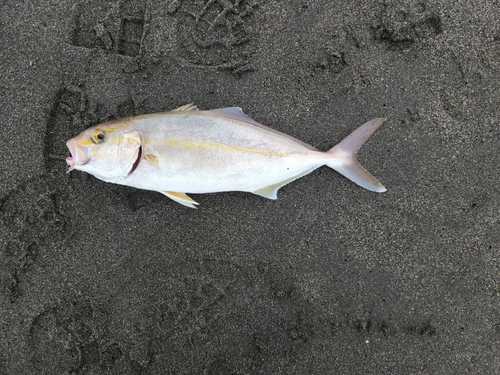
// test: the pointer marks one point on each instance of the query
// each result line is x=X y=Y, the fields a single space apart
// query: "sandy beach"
x=97 y=278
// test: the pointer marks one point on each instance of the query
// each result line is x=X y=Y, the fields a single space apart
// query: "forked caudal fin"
x=344 y=158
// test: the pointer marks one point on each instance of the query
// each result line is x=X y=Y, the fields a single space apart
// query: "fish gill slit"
x=136 y=162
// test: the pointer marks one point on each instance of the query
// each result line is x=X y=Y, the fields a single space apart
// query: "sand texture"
x=97 y=278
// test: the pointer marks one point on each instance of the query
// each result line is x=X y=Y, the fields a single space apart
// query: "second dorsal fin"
x=236 y=113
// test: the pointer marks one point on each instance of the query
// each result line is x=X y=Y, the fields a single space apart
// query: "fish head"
x=108 y=151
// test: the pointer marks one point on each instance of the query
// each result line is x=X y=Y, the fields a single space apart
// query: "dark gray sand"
x=330 y=279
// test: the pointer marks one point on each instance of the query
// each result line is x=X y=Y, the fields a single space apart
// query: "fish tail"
x=344 y=158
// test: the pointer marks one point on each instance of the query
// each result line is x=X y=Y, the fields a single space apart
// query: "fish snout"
x=79 y=154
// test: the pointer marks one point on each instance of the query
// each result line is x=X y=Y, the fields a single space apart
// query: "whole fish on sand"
x=191 y=151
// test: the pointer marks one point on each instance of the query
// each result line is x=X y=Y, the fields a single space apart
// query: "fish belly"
x=203 y=153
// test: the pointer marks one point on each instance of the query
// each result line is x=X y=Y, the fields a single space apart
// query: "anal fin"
x=271 y=191
x=181 y=198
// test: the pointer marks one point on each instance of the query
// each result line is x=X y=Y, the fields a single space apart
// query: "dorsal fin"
x=181 y=198
x=236 y=113
x=186 y=107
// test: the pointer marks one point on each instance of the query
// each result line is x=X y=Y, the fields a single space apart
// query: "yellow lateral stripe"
x=186 y=144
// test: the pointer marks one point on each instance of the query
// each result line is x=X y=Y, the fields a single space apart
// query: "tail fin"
x=345 y=161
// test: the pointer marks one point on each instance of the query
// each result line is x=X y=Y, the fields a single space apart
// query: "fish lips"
x=79 y=155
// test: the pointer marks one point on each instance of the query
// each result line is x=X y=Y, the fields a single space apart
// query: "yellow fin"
x=153 y=159
x=186 y=107
x=271 y=191
x=181 y=198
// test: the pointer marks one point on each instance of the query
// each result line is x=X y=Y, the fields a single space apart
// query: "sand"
x=330 y=279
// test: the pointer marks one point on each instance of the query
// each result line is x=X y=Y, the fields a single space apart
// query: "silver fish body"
x=192 y=151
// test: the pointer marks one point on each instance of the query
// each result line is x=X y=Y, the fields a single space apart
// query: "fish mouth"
x=71 y=163
x=78 y=155
x=136 y=162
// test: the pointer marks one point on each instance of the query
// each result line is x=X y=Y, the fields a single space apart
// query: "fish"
x=191 y=151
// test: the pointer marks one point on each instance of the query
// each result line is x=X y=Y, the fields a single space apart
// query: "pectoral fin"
x=152 y=159
x=271 y=191
x=181 y=198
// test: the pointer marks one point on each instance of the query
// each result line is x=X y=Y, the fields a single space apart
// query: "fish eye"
x=97 y=136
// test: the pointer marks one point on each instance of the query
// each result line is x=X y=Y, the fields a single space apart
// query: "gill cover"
x=115 y=157
x=129 y=152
